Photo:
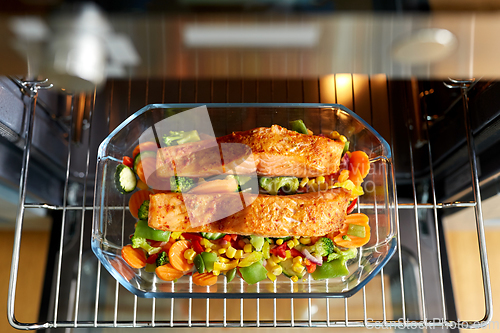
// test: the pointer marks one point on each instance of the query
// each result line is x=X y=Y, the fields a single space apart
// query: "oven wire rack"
x=30 y=88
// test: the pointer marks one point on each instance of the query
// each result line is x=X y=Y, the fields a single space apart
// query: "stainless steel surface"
x=155 y=45
x=104 y=303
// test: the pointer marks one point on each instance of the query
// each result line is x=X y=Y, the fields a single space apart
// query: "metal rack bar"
x=228 y=320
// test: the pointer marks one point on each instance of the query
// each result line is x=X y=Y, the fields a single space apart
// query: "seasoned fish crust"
x=276 y=151
x=310 y=214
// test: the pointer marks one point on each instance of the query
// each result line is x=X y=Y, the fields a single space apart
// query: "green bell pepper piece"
x=199 y=263
x=209 y=258
x=231 y=274
x=253 y=273
x=144 y=231
x=299 y=126
x=257 y=242
x=329 y=270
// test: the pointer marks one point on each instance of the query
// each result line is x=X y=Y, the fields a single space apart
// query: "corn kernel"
x=297 y=259
x=305 y=240
x=294 y=278
x=271 y=264
x=189 y=261
x=279 y=241
x=276 y=259
x=226 y=245
x=271 y=276
x=189 y=254
x=238 y=254
x=288 y=254
x=303 y=182
x=295 y=242
x=277 y=270
x=206 y=243
x=247 y=248
x=311 y=181
x=176 y=235
x=215 y=272
x=208 y=249
x=349 y=154
x=298 y=268
x=230 y=252
x=309 y=132
x=290 y=244
x=344 y=175
x=222 y=251
x=223 y=260
x=182 y=237
x=334 y=135
x=320 y=180
x=343 y=139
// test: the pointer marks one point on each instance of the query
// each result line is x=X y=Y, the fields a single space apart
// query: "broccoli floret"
x=162 y=259
x=143 y=211
x=181 y=184
x=180 y=137
x=273 y=184
x=140 y=242
x=344 y=255
x=324 y=246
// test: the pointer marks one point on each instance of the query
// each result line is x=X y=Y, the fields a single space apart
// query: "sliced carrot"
x=168 y=273
x=145 y=146
x=204 y=279
x=136 y=201
x=135 y=258
x=167 y=246
x=145 y=168
x=226 y=185
x=359 y=219
x=359 y=166
x=176 y=255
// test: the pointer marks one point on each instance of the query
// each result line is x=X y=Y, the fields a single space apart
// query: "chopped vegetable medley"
x=207 y=255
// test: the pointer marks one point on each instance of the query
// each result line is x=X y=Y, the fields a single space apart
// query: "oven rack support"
x=30 y=88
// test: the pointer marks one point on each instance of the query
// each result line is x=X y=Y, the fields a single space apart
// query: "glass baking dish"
x=113 y=223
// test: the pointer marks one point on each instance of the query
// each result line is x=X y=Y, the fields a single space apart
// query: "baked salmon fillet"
x=310 y=214
x=268 y=151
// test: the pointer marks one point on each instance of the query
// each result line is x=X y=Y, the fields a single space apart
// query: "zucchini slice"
x=212 y=236
x=125 y=180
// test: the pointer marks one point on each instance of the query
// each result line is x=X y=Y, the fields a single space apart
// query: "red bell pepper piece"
x=191 y=237
x=152 y=258
x=195 y=240
x=311 y=268
x=197 y=246
x=279 y=251
x=128 y=161
x=351 y=206
x=227 y=238
x=296 y=253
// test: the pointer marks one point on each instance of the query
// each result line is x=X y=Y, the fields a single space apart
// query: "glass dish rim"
x=148 y=107
x=391 y=240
